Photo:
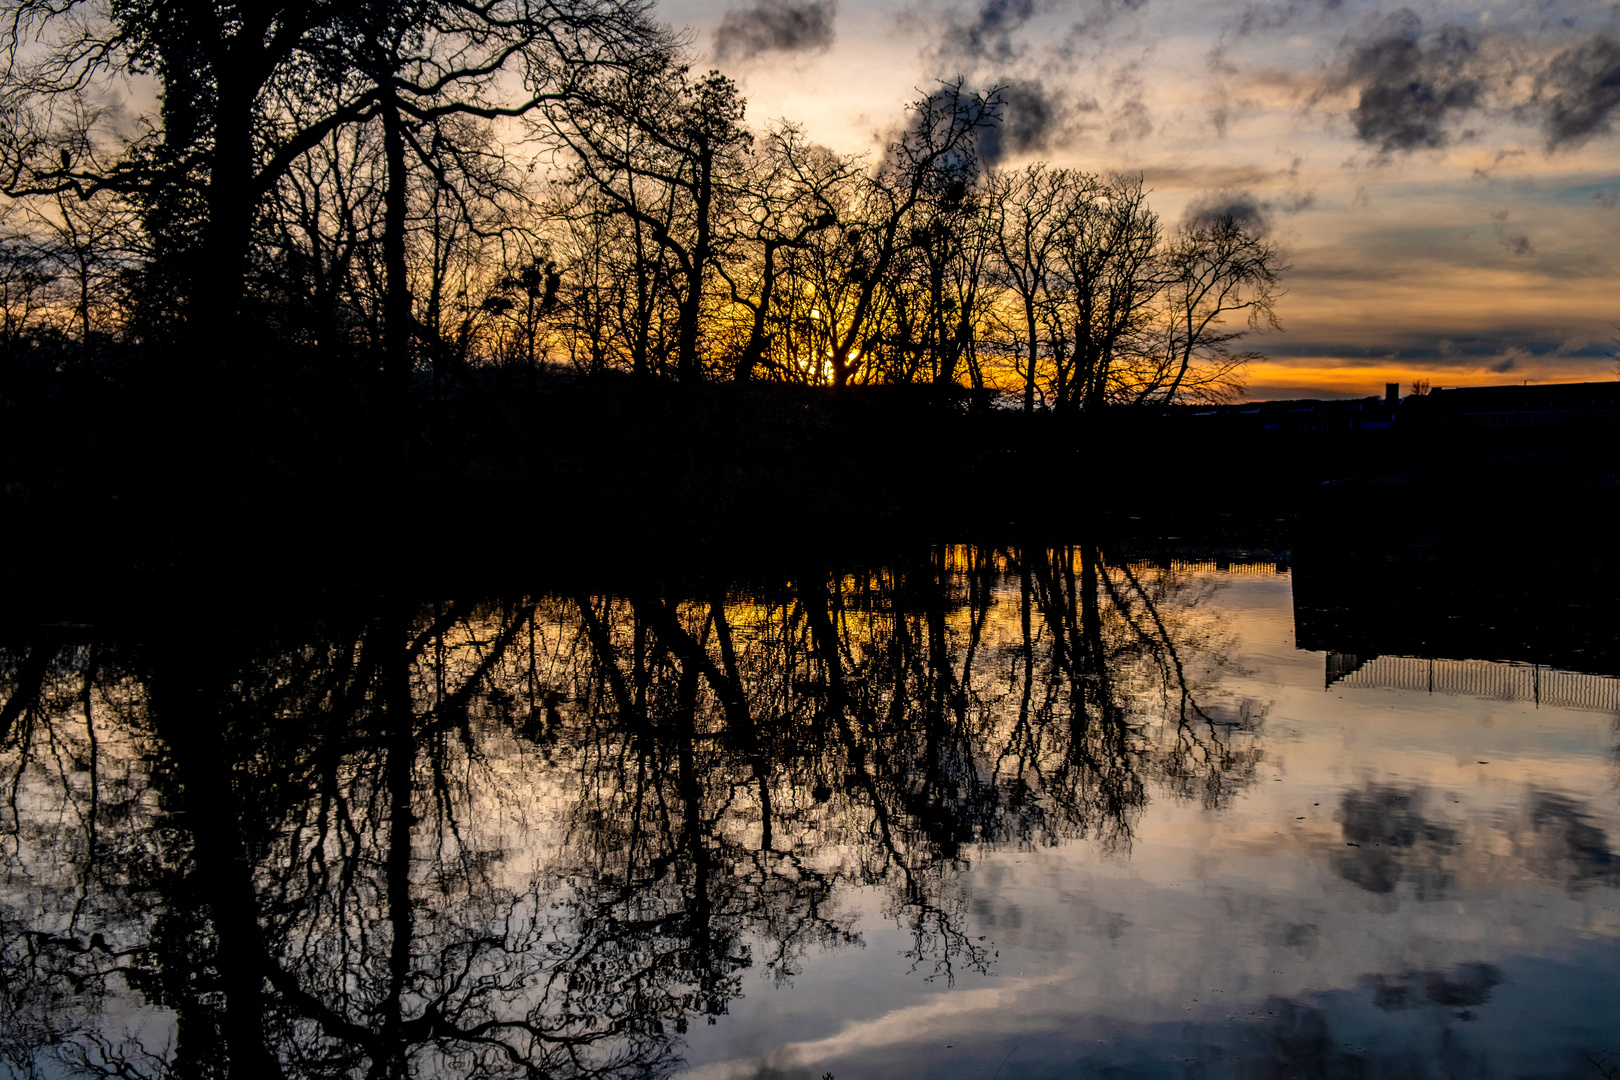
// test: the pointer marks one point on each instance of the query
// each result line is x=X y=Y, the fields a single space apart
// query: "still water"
x=992 y=812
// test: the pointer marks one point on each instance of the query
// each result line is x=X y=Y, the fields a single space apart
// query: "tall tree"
x=249 y=86
x=1115 y=278
x=934 y=159
x=1215 y=269
x=667 y=151
x=1038 y=213
x=794 y=191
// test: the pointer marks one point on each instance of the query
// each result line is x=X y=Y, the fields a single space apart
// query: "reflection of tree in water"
x=540 y=838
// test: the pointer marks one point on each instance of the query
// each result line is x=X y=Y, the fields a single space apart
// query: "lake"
x=1124 y=809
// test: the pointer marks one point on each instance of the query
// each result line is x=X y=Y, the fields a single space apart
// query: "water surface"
x=1059 y=812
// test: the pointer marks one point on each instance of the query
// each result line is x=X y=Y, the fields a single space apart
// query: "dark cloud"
x=1412 y=84
x=1470 y=984
x=987 y=33
x=1034 y=119
x=776 y=26
x=1518 y=244
x=1300 y=937
x=1580 y=91
x=1129 y=116
x=1297 y=202
x=1515 y=243
x=1240 y=206
x=1131 y=121
x=1271 y=17
x=1505 y=154
x=1217 y=176
x=1093 y=33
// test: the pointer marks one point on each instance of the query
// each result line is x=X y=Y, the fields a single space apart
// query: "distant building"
x=1528 y=405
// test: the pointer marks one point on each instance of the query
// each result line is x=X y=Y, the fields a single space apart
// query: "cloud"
x=1091 y=33
x=1130 y=118
x=1414 y=84
x=989 y=33
x=1240 y=206
x=1271 y=17
x=1516 y=243
x=1580 y=91
x=1297 y=201
x=986 y=34
x=1411 y=84
x=1034 y=119
x=1213 y=176
x=776 y=26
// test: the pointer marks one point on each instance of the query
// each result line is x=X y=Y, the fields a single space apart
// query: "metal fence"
x=1478 y=678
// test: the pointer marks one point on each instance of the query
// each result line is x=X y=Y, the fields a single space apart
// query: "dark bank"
x=504 y=467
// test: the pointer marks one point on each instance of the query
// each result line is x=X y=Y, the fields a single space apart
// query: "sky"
x=1443 y=179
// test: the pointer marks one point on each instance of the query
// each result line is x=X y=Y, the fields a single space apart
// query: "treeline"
x=391 y=191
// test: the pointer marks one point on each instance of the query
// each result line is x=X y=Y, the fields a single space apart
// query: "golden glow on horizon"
x=1318 y=377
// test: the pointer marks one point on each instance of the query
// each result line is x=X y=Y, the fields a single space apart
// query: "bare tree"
x=1213 y=270
x=794 y=191
x=250 y=88
x=1040 y=214
x=1116 y=279
x=668 y=152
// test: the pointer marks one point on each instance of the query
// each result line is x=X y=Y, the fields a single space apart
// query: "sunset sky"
x=1443 y=178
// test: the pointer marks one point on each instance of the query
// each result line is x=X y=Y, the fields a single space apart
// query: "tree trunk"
x=396 y=289
x=689 y=369
x=221 y=279
x=1034 y=353
x=755 y=351
x=187 y=701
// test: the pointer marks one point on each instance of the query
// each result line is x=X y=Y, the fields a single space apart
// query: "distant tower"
x=1392 y=394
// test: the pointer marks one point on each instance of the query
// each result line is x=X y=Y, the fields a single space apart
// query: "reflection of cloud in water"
x=1451 y=1021
x=1564 y=845
x=1470 y=984
x=1389 y=840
